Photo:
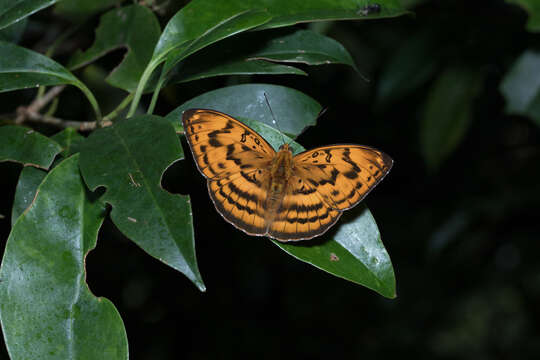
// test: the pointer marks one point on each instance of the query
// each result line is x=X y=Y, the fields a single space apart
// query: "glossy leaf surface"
x=128 y=159
x=27 y=146
x=294 y=111
x=256 y=52
x=12 y=11
x=46 y=308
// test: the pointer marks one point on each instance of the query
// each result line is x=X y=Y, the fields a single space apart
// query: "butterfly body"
x=275 y=194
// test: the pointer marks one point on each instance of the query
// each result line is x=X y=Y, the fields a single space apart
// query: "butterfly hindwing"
x=222 y=145
x=342 y=174
x=303 y=214
x=240 y=199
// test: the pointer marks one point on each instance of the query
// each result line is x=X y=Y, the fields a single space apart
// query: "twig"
x=61 y=123
x=37 y=104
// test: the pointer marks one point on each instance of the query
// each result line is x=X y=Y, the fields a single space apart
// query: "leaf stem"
x=119 y=108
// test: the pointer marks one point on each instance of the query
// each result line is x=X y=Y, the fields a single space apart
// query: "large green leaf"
x=294 y=111
x=243 y=54
x=129 y=158
x=447 y=113
x=27 y=146
x=21 y=68
x=12 y=11
x=46 y=308
x=521 y=86
x=134 y=27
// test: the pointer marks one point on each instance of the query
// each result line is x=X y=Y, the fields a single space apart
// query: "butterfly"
x=267 y=193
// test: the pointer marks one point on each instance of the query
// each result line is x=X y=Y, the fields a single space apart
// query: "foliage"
x=46 y=308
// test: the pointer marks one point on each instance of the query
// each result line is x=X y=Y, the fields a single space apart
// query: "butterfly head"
x=285 y=147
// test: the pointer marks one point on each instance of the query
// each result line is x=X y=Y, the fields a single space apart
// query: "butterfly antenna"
x=273 y=117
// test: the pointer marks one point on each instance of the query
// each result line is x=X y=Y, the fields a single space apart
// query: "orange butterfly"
x=267 y=193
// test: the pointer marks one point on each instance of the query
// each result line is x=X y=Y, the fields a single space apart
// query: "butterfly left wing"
x=235 y=161
x=342 y=174
x=222 y=145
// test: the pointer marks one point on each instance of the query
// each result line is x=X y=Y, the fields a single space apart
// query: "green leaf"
x=21 y=68
x=134 y=27
x=129 y=158
x=304 y=46
x=28 y=183
x=290 y=12
x=354 y=252
x=78 y=10
x=46 y=308
x=70 y=140
x=447 y=113
x=27 y=146
x=294 y=111
x=12 y=11
x=521 y=86
x=533 y=8
x=243 y=54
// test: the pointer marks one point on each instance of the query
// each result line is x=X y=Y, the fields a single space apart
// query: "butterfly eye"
x=259 y=171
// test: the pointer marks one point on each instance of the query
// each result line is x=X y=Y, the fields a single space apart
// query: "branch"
x=61 y=123
x=38 y=104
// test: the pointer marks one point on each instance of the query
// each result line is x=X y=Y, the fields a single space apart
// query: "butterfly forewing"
x=342 y=174
x=222 y=146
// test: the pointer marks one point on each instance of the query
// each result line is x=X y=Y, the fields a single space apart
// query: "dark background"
x=463 y=236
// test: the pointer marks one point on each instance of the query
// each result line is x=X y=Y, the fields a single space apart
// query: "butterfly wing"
x=235 y=160
x=303 y=214
x=342 y=175
x=240 y=199
x=222 y=145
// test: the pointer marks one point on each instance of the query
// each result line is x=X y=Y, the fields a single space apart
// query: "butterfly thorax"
x=280 y=171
